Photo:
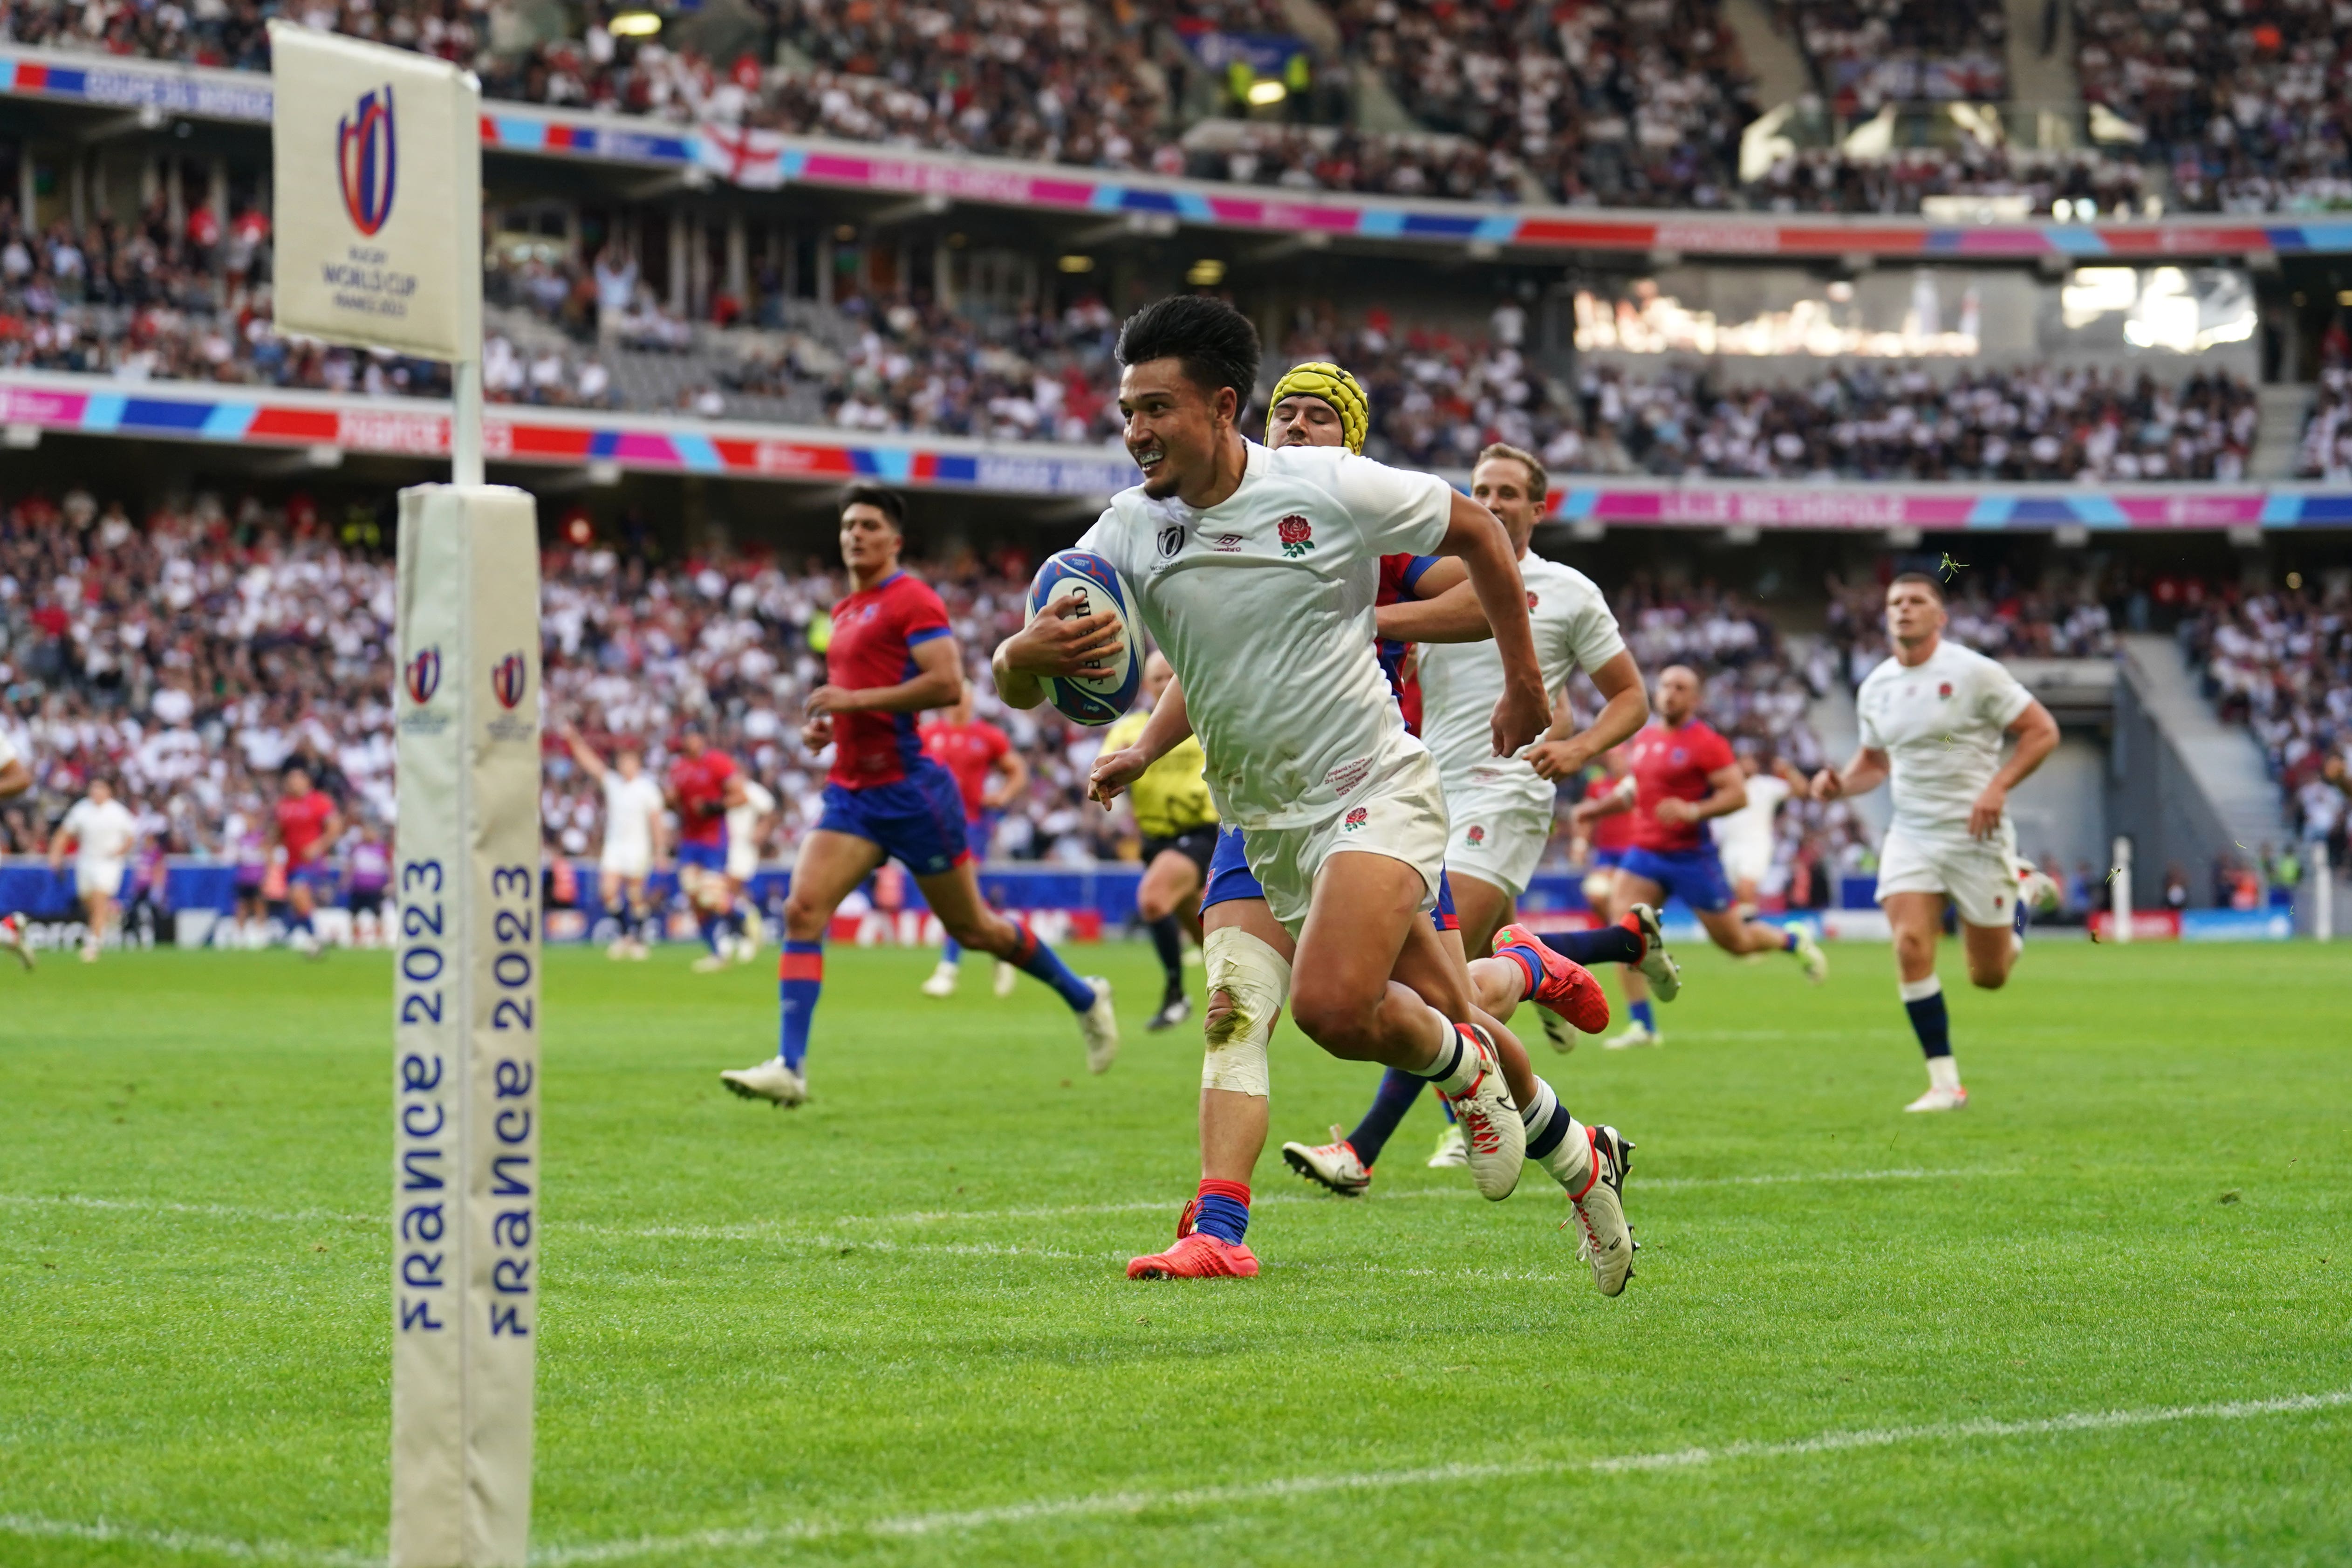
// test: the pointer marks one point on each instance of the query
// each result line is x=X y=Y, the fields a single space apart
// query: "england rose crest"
x=1355 y=819
x=1297 y=536
x=1477 y=834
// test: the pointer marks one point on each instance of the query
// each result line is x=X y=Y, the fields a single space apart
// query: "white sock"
x=1456 y=1065
x=1569 y=1159
x=1943 y=1072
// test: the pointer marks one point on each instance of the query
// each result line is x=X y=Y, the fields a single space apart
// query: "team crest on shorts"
x=1298 y=535
x=1355 y=819
x=1477 y=834
x=1531 y=598
x=1945 y=690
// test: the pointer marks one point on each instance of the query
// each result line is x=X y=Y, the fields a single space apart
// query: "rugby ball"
x=1097 y=587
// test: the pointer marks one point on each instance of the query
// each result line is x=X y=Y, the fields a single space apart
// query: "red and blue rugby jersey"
x=1399 y=574
x=875 y=633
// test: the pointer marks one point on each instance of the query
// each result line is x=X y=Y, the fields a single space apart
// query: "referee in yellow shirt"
x=1179 y=822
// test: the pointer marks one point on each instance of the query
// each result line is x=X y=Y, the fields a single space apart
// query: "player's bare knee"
x=804 y=922
x=980 y=932
x=1988 y=978
x=1152 y=907
x=1342 y=1025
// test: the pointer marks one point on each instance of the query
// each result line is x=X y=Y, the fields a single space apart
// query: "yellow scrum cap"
x=1344 y=393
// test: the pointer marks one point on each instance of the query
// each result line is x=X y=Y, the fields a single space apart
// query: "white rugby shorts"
x=629 y=862
x=1498 y=832
x=742 y=859
x=1746 y=859
x=1402 y=816
x=99 y=877
x=1975 y=873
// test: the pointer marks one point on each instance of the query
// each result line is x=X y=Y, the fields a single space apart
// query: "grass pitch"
x=2099 y=1318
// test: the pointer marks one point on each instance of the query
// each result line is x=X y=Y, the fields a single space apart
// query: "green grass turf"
x=908 y=1297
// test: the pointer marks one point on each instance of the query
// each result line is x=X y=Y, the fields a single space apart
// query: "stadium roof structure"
x=766 y=160
x=33 y=402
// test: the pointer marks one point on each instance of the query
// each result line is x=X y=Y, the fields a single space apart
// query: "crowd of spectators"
x=1995 y=613
x=1865 y=53
x=2326 y=450
x=2281 y=663
x=1824 y=179
x=1903 y=423
x=2248 y=102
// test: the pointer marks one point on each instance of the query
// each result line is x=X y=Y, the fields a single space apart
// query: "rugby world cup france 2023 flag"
x=378 y=168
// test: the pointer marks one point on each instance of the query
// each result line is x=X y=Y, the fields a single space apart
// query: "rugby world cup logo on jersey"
x=367 y=161
x=1298 y=535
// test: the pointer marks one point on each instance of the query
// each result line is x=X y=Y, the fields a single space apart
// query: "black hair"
x=1215 y=343
x=882 y=498
x=1926 y=579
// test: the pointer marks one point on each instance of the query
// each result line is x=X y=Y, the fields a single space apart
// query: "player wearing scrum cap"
x=1243 y=645
x=1932 y=717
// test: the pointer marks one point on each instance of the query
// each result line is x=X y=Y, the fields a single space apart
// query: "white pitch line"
x=1282 y=1488
x=1192 y=1499
x=749 y=1230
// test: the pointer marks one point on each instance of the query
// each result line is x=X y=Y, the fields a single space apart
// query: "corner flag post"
x=378 y=175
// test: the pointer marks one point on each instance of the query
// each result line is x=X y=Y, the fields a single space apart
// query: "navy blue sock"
x=1929 y=1019
x=1644 y=1016
x=1397 y=1092
x=1222 y=1210
x=709 y=925
x=1606 y=944
x=1034 y=958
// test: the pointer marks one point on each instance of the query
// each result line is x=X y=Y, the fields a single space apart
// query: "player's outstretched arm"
x=1616 y=802
x=1445 y=608
x=15 y=778
x=1625 y=708
x=1013 y=775
x=2037 y=737
x=590 y=762
x=938 y=683
x=1056 y=642
x=1166 y=729
x=1864 y=772
x=1475 y=537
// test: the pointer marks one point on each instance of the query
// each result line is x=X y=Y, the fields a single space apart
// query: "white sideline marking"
x=1102 y=1503
x=29 y=1527
x=746 y=1230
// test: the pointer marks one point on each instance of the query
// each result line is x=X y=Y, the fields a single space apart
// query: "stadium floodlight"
x=1266 y=92
x=1075 y=264
x=377 y=155
x=1205 y=273
x=634 y=25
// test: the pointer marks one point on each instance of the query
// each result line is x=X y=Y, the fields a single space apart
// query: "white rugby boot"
x=1496 y=1138
x=1634 y=1033
x=1452 y=1151
x=1657 y=966
x=942 y=983
x=1939 y=1098
x=12 y=939
x=1331 y=1166
x=1810 y=956
x=1608 y=1242
x=770 y=1080
x=1100 y=1026
x=1007 y=977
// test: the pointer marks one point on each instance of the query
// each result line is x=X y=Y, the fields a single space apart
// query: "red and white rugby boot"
x=1333 y=1165
x=12 y=940
x=1657 y=966
x=1608 y=1241
x=1562 y=985
x=1489 y=1119
x=1199 y=1256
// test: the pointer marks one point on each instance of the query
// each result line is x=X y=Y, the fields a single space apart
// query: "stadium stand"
x=1867 y=53
x=2281 y=663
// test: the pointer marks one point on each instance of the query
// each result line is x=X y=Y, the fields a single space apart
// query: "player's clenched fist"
x=1827 y=786
x=1060 y=642
x=1524 y=713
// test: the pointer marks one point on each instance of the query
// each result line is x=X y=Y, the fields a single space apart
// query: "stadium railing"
x=769 y=159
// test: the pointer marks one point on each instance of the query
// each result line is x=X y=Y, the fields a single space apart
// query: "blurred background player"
x=1178 y=820
x=304 y=826
x=1932 y=716
x=15 y=778
x=1682 y=775
x=368 y=873
x=990 y=776
x=104 y=833
x=1744 y=838
x=749 y=823
x=634 y=809
x=704 y=787
x=890 y=657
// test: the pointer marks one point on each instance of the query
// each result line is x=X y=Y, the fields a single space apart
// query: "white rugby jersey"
x=1752 y=823
x=1264 y=605
x=741 y=820
x=101 y=834
x=8 y=747
x=630 y=807
x=1940 y=723
x=1461 y=683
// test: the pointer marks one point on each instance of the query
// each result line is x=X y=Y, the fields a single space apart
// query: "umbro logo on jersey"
x=1227 y=544
x=1172 y=539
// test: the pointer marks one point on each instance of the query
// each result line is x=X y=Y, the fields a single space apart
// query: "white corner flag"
x=379 y=179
